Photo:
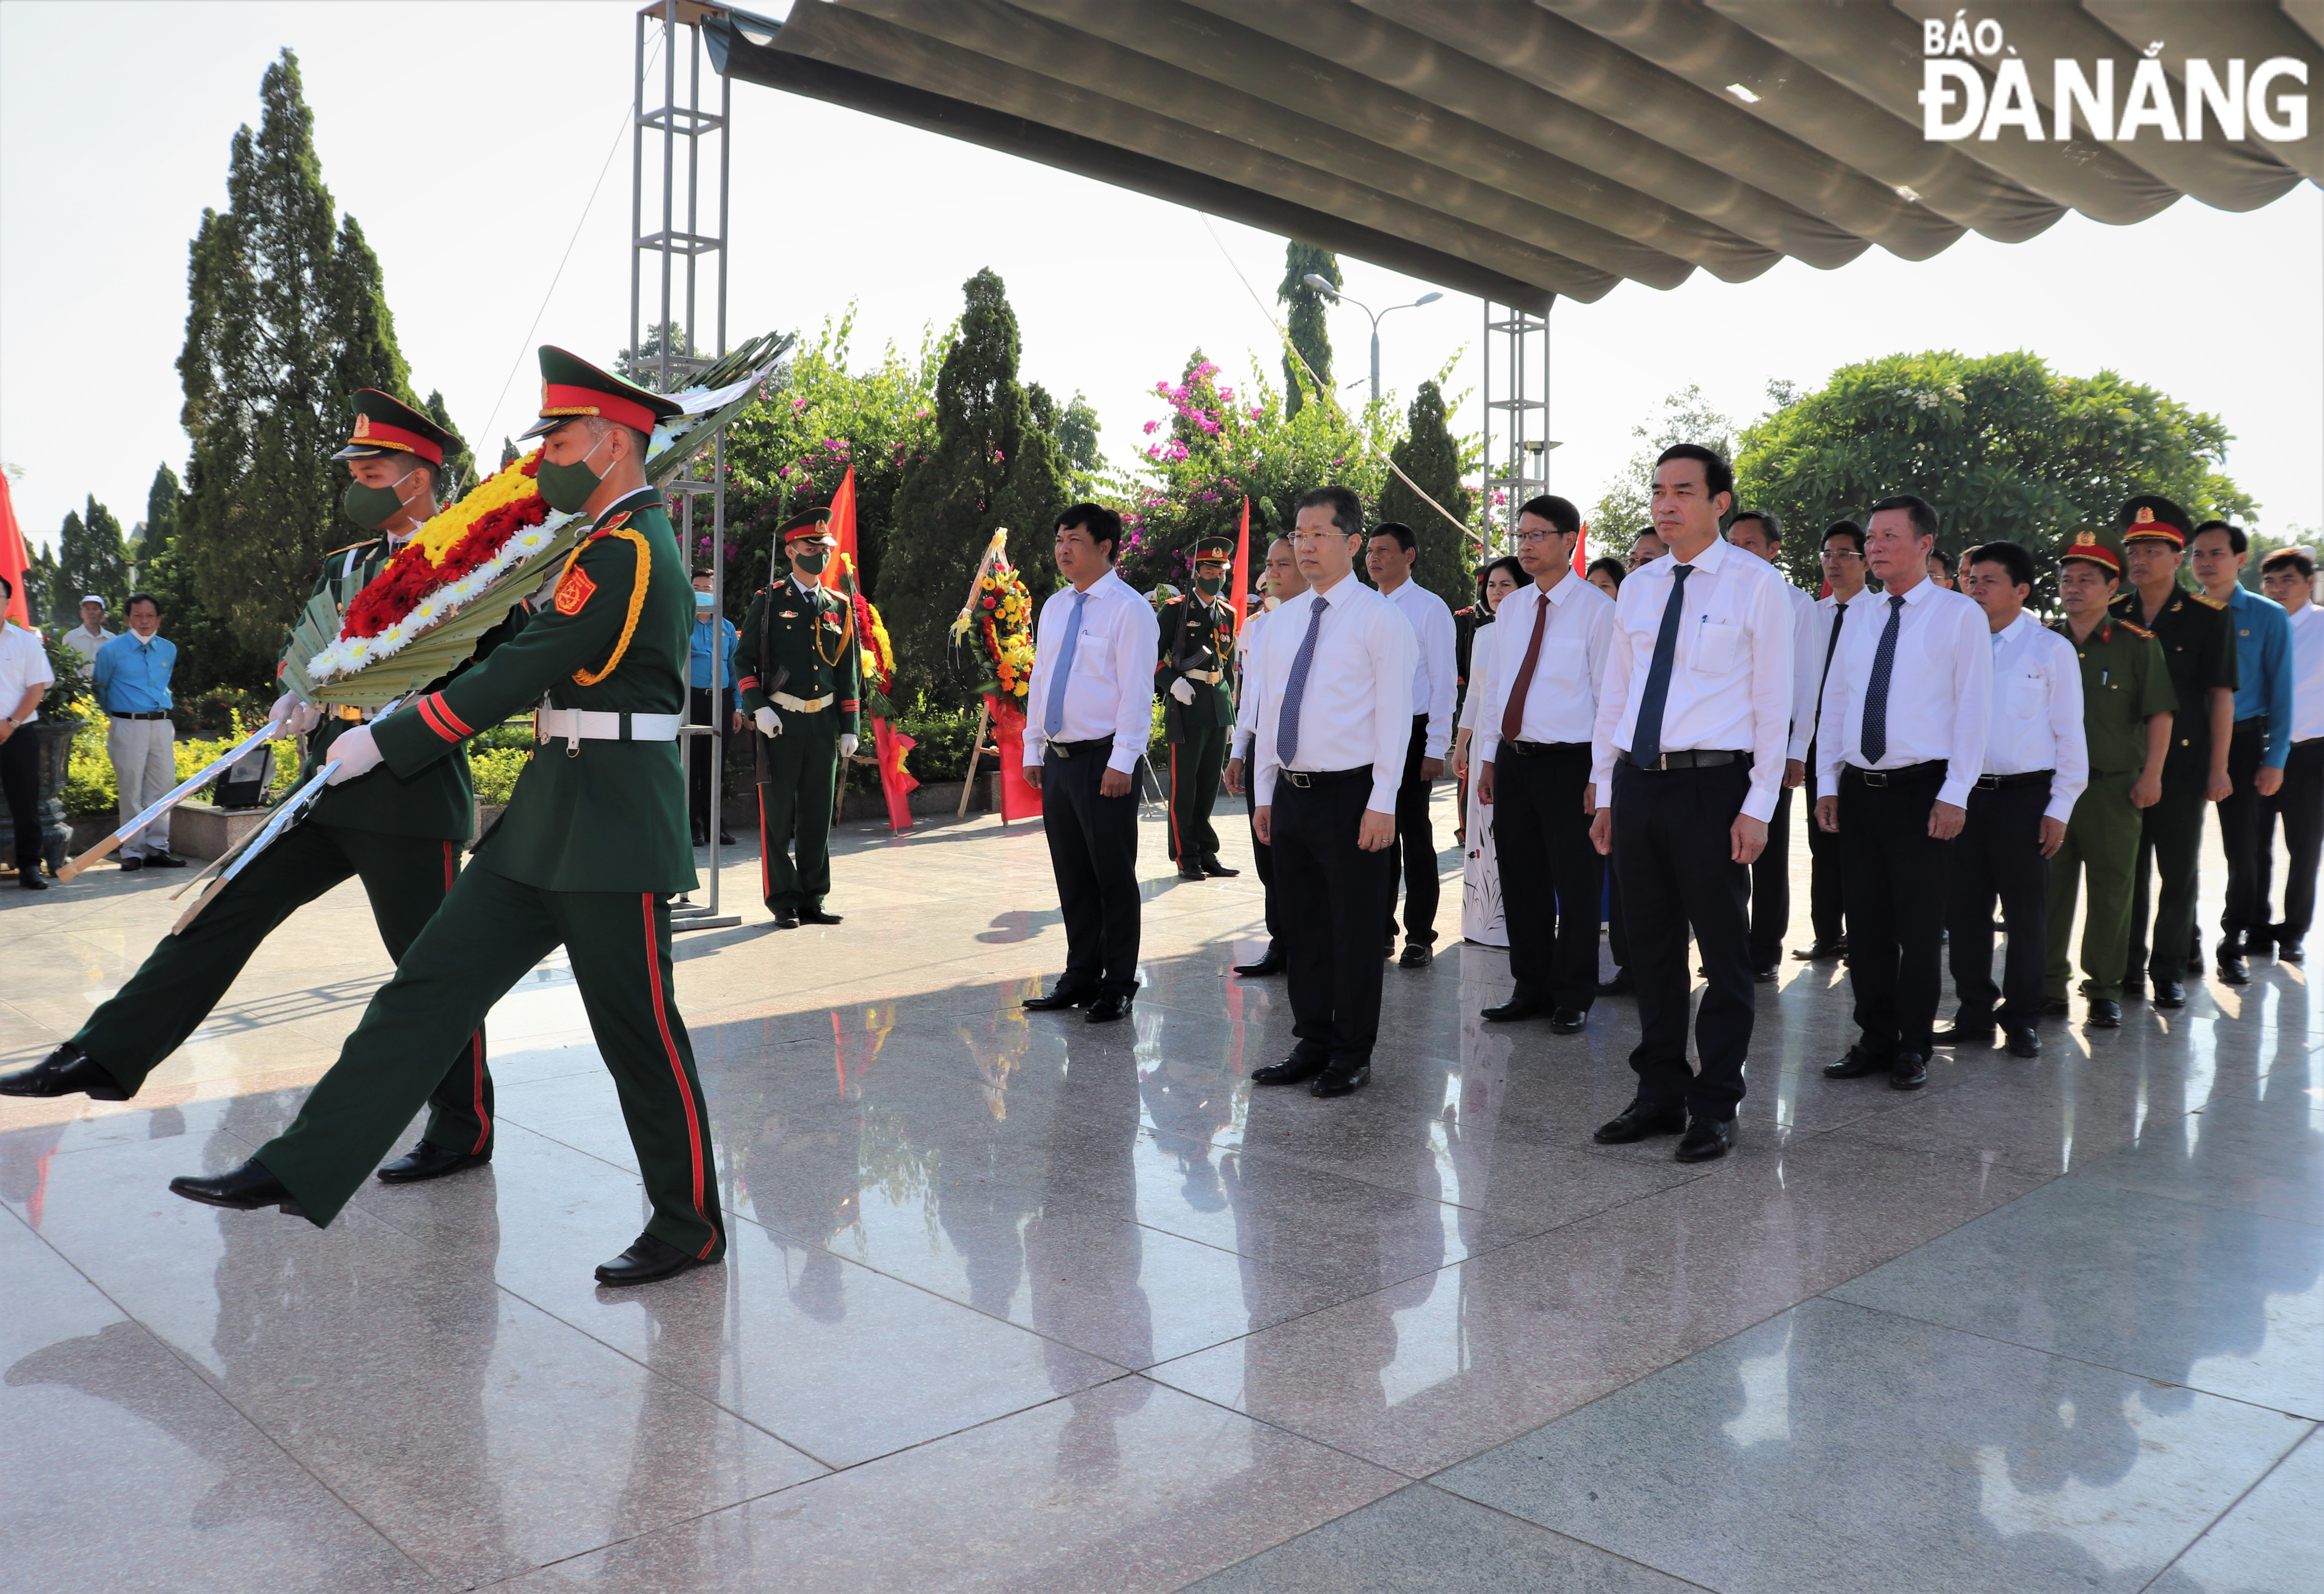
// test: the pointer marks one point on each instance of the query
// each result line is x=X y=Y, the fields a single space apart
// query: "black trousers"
x=1262 y=857
x=1553 y=881
x=2300 y=804
x=1827 y=896
x=1771 y=887
x=1413 y=851
x=2242 y=837
x=1327 y=889
x=1093 y=852
x=1999 y=852
x=1673 y=858
x=700 y=749
x=20 y=779
x=1895 y=875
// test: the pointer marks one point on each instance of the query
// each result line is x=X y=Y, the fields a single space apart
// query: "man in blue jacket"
x=2260 y=744
x=132 y=676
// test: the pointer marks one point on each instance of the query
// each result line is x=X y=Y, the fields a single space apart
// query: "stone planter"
x=200 y=830
x=54 y=739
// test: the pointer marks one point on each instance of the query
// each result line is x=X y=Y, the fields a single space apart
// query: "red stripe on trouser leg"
x=677 y=1067
x=476 y=1041
x=1177 y=847
x=766 y=851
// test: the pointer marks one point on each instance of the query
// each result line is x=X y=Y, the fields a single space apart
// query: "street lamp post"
x=1322 y=285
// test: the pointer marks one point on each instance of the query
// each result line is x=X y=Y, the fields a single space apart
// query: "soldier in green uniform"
x=592 y=846
x=402 y=835
x=795 y=668
x=2198 y=642
x=2126 y=712
x=1197 y=710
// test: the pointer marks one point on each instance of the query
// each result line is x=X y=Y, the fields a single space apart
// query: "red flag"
x=1582 y=551
x=842 y=528
x=1019 y=800
x=1241 y=583
x=896 y=782
x=13 y=558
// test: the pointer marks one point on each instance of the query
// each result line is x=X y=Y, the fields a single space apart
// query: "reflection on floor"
x=1017 y=1302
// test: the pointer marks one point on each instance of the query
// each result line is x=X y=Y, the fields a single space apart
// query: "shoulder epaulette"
x=2207 y=601
x=2134 y=629
x=350 y=548
x=610 y=526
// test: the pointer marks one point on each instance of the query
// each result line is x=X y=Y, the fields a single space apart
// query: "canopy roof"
x=1521 y=149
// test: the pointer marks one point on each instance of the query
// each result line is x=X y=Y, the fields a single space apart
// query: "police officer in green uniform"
x=1198 y=713
x=402 y=835
x=586 y=856
x=2126 y=712
x=795 y=668
x=2198 y=642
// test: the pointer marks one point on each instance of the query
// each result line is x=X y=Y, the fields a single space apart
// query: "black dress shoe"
x=1513 y=1010
x=2056 y=1006
x=1856 y=1064
x=1957 y=1034
x=725 y=838
x=1296 y=1069
x=701 y=836
x=1064 y=996
x=1416 y=957
x=1639 y=1120
x=246 y=1189
x=1106 y=1008
x=1188 y=870
x=1822 y=951
x=131 y=865
x=1568 y=1021
x=2134 y=989
x=163 y=860
x=2290 y=952
x=645 y=1261
x=62 y=1072
x=1341 y=1078
x=1212 y=867
x=2169 y=993
x=427 y=1160
x=1706 y=1139
x=817 y=915
x=1622 y=984
x=2104 y=1014
x=1764 y=975
x=1272 y=964
x=787 y=917
x=1907 y=1071
x=2233 y=971
x=2024 y=1043
x=31 y=878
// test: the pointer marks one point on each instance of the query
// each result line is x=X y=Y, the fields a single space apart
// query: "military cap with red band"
x=572 y=388
x=385 y=424
x=814 y=523
x=2152 y=515
x=2087 y=548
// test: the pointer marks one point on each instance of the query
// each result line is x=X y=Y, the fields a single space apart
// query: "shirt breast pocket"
x=1092 y=662
x=2027 y=694
x=1565 y=660
x=1718 y=646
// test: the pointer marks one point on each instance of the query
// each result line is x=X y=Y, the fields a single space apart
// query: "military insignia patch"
x=573 y=591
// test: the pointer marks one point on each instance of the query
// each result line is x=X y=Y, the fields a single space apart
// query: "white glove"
x=847 y=745
x=769 y=723
x=290 y=717
x=1183 y=689
x=357 y=754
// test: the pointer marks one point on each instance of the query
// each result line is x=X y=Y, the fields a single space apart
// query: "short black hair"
x=1347 y=509
x=2008 y=556
x=2296 y=558
x=1404 y=539
x=1924 y=518
x=1769 y=522
x=1508 y=564
x=1944 y=560
x=1556 y=510
x=1101 y=522
x=1717 y=477
x=1646 y=531
x=1615 y=569
x=1847 y=529
x=2236 y=541
x=8 y=587
x=136 y=598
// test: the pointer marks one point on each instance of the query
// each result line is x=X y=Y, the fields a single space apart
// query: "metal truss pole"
x=1515 y=393
x=676 y=26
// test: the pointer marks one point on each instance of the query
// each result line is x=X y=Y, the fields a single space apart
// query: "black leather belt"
x=158 y=713
x=1539 y=750
x=1082 y=749
x=1308 y=780
x=2004 y=782
x=1933 y=769
x=1709 y=760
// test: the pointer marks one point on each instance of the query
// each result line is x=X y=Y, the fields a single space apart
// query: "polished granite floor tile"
x=2260 y=1149
x=1421 y=1540
x=1834 y=1448
x=2267 y=1543
x=1126 y=1486
x=2227 y=1302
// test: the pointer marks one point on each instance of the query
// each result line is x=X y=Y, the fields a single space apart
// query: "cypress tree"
x=286 y=318
x=209 y=654
x=1430 y=457
x=460 y=463
x=1310 y=334
x=993 y=463
x=91 y=557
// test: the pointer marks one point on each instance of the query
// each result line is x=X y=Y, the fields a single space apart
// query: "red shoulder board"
x=615 y=524
x=573 y=591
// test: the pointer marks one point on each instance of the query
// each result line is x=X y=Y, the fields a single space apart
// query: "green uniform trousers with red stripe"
x=407 y=879
x=1196 y=761
x=794 y=804
x=490 y=934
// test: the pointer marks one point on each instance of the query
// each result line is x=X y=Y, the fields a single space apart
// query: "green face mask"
x=372 y=507
x=812 y=563
x=1208 y=586
x=567 y=487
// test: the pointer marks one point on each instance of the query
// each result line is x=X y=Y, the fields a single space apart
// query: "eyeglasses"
x=1842 y=553
x=1537 y=535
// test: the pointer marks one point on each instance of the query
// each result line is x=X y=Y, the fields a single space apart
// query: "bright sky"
x=468 y=140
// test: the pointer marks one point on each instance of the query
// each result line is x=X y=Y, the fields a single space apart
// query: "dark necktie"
x=1647 y=741
x=1838 y=614
x=1287 y=723
x=1875 y=739
x=1513 y=716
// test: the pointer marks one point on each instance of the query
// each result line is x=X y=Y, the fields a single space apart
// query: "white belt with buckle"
x=1209 y=676
x=803 y=705
x=577 y=725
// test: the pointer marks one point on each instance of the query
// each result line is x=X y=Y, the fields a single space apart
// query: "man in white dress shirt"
x=1843 y=574
x=1693 y=717
x=1906 y=709
x=1533 y=768
x=1283 y=583
x=1088 y=711
x=1389 y=555
x=2289 y=576
x=1759 y=532
x=1333 y=674
x=2037 y=764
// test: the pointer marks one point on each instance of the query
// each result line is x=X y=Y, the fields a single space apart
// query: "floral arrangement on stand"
x=998 y=617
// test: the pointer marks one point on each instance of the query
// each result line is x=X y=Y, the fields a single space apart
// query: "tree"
x=1310 y=334
x=2003 y=447
x=1077 y=444
x=1687 y=418
x=991 y=465
x=92 y=556
x=286 y=318
x=460 y=463
x=646 y=370
x=209 y=655
x=1433 y=458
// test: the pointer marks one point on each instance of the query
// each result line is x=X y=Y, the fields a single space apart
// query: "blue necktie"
x=1286 y=725
x=1646 y=740
x=1055 y=720
x=1875 y=739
